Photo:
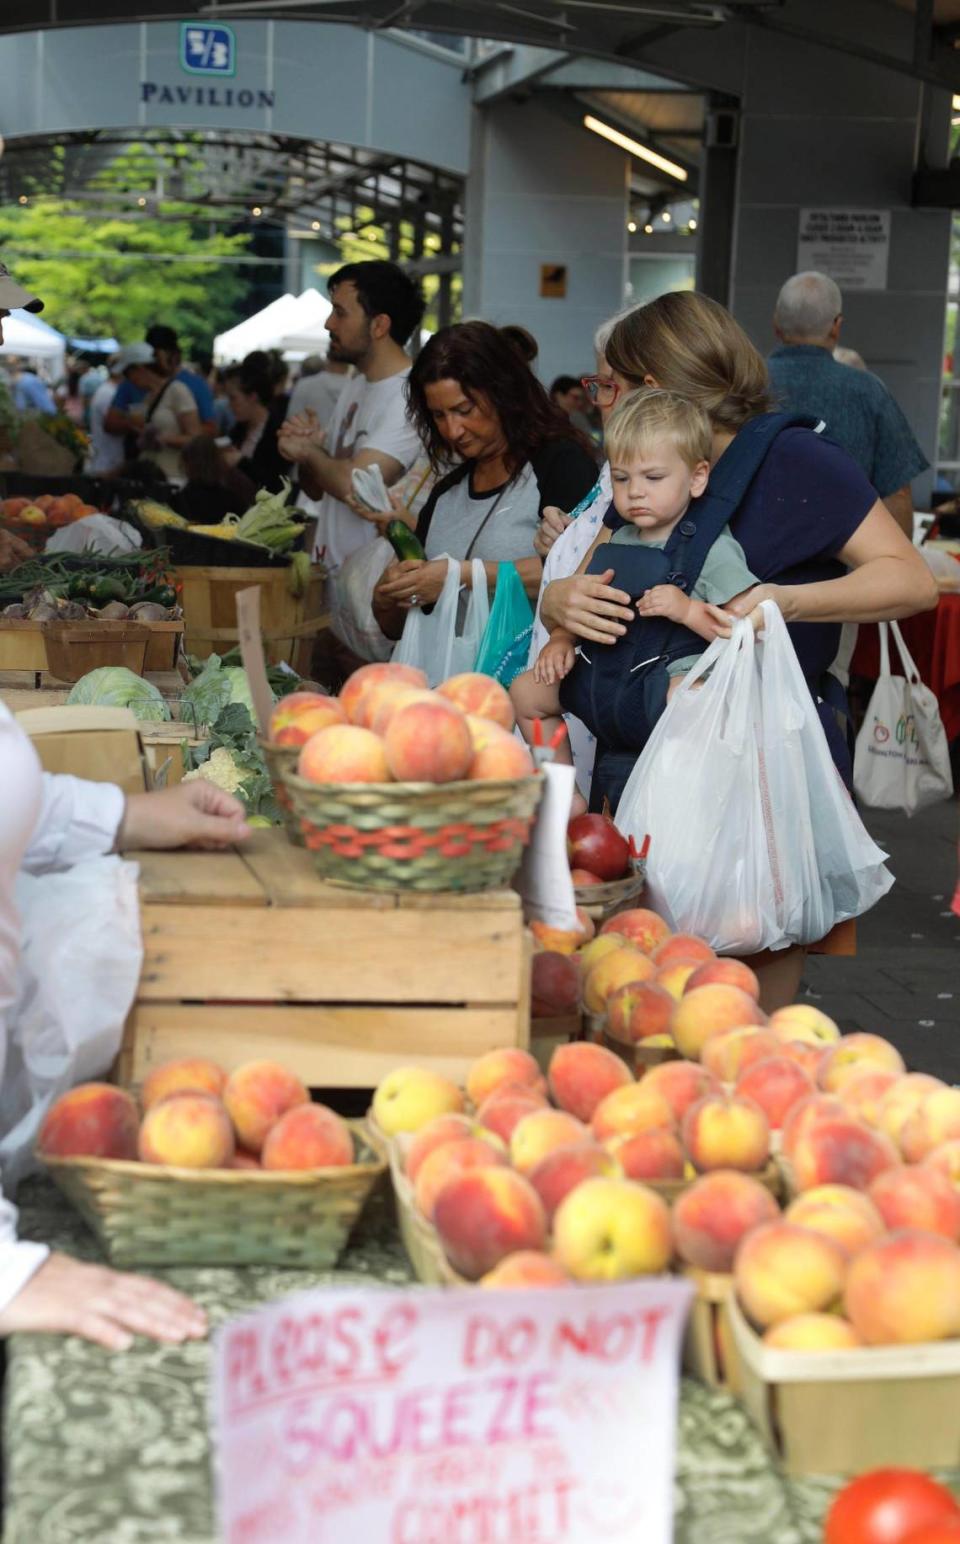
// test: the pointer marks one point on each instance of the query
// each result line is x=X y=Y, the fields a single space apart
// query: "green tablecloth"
x=112 y=1449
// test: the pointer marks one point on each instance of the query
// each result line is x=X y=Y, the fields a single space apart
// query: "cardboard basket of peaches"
x=394 y=786
x=211 y=1169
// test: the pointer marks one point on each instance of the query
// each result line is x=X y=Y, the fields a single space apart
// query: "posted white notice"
x=851 y=246
x=447 y=1417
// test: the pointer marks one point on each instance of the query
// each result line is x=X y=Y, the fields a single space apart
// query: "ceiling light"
x=642 y=152
x=256 y=210
x=23 y=199
x=648 y=230
x=314 y=225
x=631 y=226
x=691 y=225
x=666 y=217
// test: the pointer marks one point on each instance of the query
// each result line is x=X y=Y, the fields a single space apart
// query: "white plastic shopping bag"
x=902 y=759
x=446 y=642
x=755 y=842
x=352 y=616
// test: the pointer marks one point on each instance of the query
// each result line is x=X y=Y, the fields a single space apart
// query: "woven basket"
x=416 y=836
x=603 y=901
x=146 y=1215
x=278 y=757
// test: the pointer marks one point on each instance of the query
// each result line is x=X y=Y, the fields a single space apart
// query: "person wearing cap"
x=167 y=359
x=165 y=417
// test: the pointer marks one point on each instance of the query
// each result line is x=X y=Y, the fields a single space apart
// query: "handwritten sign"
x=851 y=246
x=251 y=652
x=451 y=1417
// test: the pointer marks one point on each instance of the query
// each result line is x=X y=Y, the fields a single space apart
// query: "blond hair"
x=652 y=415
x=690 y=344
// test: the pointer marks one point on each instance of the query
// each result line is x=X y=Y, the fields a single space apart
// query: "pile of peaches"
x=48 y=509
x=196 y=1117
x=388 y=726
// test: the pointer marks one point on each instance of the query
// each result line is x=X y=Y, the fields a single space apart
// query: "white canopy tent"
x=288 y=316
x=26 y=335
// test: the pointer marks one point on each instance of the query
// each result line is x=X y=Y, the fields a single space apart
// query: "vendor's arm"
x=79 y=819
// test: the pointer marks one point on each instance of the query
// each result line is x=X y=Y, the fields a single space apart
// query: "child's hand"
x=664 y=600
x=556 y=660
x=724 y=620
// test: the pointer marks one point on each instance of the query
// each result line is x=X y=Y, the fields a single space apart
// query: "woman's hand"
x=195 y=814
x=68 y=1297
x=413 y=582
x=586 y=606
x=553 y=523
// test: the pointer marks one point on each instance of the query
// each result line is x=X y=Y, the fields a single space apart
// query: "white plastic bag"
x=902 y=759
x=755 y=843
x=352 y=617
x=95 y=533
x=442 y=644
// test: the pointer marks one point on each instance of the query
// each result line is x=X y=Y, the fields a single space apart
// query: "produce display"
x=269 y=522
x=893 y=1506
x=47 y=509
x=68 y=586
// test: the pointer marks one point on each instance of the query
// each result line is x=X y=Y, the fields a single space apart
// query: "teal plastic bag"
x=506 y=640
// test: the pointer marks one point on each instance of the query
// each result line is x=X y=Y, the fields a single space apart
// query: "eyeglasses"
x=600 y=389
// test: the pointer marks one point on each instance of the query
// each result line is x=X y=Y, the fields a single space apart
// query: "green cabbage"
x=113 y=686
x=215 y=688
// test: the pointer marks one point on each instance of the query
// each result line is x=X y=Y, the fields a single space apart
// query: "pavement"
x=904 y=982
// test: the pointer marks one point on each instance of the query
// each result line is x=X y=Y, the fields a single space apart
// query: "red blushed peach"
x=428 y=742
x=899 y=1103
x=310 y=1136
x=580 y=1075
x=611 y=1230
x=296 y=728
x=718 y=1210
x=256 y=1096
x=502 y=1112
x=508 y=1064
x=556 y=940
x=480 y=695
x=294 y=705
x=653 y=1154
x=841 y=1151
x=486 y=1214
x=537 y=1134
x=566 y=1167
x=555 y=985
x=94 y=1120
x=862 y=1092
x=776 y=1084
x=812 y=1332
x=847 y=1216
x=643 y=928
x=446 y=1162
x=526 y=1268
x=917 y=1197
x=936 y=1120
x=446 y=1128
x=639 y=1009
x=781 y=1270
x=382 y=702
x=351 y=693
x=583 y=879
x=946 y=1160
x=855 y=1054
x=673 y=978
x=707 y=1011
x=622 y=967
x=682 y=949
x=636 y=1107
x=501 y=757
x=189 y=1076
x=804 y=1116
x=734 y=1050
x=243 y=1160
x=681 y=1083
x=726 y=1133
x=904 y=1289
x=802 y=1021
x=804 y=1054
x=725 y=972
x=190 y=1131
x=344 y=754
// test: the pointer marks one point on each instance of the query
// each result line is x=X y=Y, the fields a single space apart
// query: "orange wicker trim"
x=410 y=842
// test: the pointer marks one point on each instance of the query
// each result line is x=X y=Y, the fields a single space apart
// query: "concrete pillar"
x=544 y=191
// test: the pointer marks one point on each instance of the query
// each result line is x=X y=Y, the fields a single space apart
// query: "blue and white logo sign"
x=207 y=50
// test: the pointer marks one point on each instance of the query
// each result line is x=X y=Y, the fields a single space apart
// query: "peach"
x=566 y=1167
x=805 y=1115
x=447 y=1161
x=782 y=1270
x=859 y=1052
x=343 y=754
x=862 y=1092
x=682 y=1083
x=620 y=968
x=94 y=1120
x=351 y=693
x=899 y=1103
x=706 y=1011
x=918 y=1197
x=946 y=1160
x=384 y=699
x=935 y=1121
x=841 y=1151
x=812 y=1332
x=682 y=949
x=310 y=1136
x=486 y=1214
x=554 y=985
x=508 y=1064
x=428 y=742
x=193 y=1075
x=557 y=940
x=243 y=1160
x=673 y=978
x=838 y=1212
x=500 y=758
x=718 y=1210
x=641 y=927
x=537 y=1134
x=725 y=972
x=526 y=1268
x=502 y=1112
x=904 y=1289
x=734 y=1050
x=639 y=1009
x=306 y=715
x=588 y=928
x=804 y=1053
x=635 y=1107
x=802 y=1021
x=776 y=1084
x=446 y=1128
x=256 y=1096
x=726 y=1132
x=612 y=1229
x=410 y=1097
x=582 y=878
x=483 y=732
x=605 y=943
x=581 y=1075
x=480 y=695
x=653 y=1154
x=191 y=1131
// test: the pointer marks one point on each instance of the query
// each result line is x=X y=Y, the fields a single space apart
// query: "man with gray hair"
x=858 y=410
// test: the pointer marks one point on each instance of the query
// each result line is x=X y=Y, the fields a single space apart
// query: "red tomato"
x=947 y=1531
x=888 y=1506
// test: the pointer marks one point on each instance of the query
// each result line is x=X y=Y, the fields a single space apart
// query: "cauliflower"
x=222 y=769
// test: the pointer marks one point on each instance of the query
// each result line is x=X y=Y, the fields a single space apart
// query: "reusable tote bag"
x=438 y=643
x=902 y=761
x=506 y=641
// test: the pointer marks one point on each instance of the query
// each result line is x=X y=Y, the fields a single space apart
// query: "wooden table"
x=248 y=954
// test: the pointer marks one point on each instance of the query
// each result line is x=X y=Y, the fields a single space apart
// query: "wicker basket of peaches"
x=393 y=786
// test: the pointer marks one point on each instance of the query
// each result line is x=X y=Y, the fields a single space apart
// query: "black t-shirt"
x=564 y=470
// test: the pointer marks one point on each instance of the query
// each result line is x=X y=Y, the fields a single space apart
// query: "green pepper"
x=79 y=587
x=104 y=590
x=161 y=595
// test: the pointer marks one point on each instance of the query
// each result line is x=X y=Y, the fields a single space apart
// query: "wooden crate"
x=288 y=623
x=249 y=955
x=21 y=689
x=23 y=647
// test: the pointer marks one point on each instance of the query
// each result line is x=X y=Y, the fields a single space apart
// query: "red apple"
x=595 y=844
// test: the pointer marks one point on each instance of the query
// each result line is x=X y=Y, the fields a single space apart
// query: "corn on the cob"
x=222 y=532
x=155 y=514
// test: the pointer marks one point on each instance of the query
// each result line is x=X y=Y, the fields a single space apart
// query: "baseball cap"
x=133 y=354
x=13 y=296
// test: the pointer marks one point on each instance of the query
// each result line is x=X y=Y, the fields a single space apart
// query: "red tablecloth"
x=933 y=639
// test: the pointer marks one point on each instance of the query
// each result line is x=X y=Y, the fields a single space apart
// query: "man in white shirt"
x=106 y=450
x=376 y=308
